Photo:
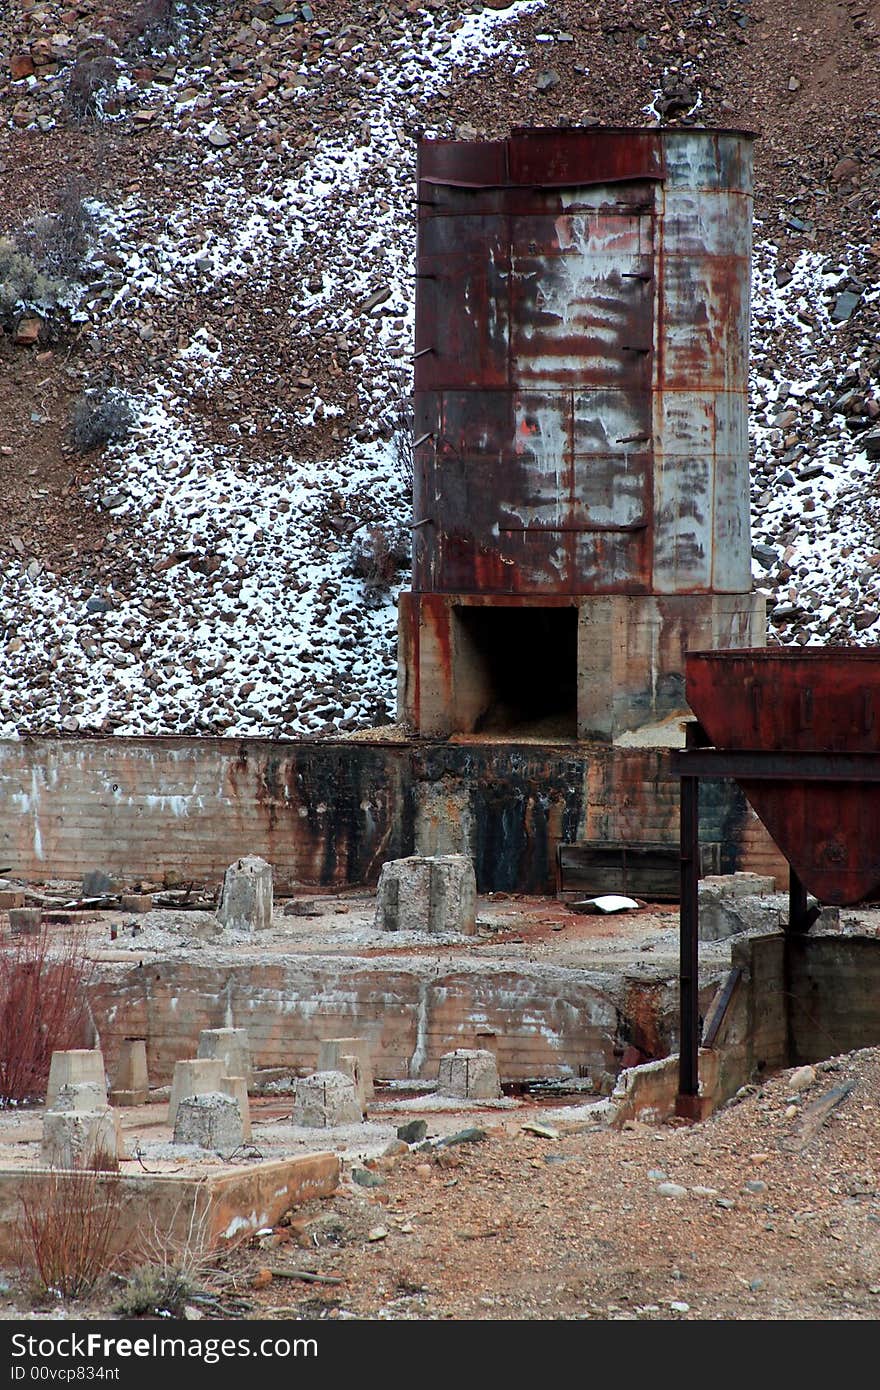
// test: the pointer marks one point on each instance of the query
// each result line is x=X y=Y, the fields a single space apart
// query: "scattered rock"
x=413 y=1132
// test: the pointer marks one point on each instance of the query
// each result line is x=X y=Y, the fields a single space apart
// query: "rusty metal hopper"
x=809 y=700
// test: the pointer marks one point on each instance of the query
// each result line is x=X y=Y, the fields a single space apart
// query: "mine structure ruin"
x=580 y=429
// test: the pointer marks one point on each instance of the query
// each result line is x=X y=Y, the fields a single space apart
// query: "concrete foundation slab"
x=222 y=1206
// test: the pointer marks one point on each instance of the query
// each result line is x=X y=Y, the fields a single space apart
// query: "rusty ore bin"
x=802 y=700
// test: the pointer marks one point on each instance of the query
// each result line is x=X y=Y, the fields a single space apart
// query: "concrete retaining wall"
x=548 y=1022
x=330 y=814
x=156 y=1212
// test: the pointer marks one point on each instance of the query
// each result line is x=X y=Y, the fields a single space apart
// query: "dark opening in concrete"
x=523 y=663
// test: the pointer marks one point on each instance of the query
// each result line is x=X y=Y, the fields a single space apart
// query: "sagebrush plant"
x=44 y=1007
x=154 y=1290
x=66 y=1233
x=24 y=286
x=172 y=1259
x=101 y=415
x=56 y=237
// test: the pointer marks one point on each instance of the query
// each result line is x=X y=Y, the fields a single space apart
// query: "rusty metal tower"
x=581 y=450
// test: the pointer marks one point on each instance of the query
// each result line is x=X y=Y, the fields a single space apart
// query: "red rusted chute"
x=806 y=700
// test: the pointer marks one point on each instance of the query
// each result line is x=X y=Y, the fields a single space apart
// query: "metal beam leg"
x=689 y=982
x=797 y=903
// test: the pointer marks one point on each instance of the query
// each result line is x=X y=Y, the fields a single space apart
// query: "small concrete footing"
x=236 y=1086
x=326 y=1098
x=469 y=1074
x=212 y=1121
x=246 y=896
x=332 y=1056
x=194 y=1076
x=80 y=1139
x=427 y=893
x=130 y=1085
x=72 y=1068
x=228 y=1045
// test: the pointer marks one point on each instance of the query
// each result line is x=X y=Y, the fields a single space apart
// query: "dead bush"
x=87 y=81
x=378 y=553
x=101 y=415
x=56 y=239
x=172 y=1260
x=156 y=26
x=43 y=1008
x=65 y=1233
x=402 y=440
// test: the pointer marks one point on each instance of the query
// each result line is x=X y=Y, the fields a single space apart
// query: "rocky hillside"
x=206 y=252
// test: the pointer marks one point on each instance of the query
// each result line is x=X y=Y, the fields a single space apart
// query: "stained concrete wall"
x=834 y=983
x=146 y=1212
x=630 y=655
x=537 y=1021
x=330 y=814
x=797 y=1001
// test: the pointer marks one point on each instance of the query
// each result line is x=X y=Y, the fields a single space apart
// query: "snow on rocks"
x=251 y=275
x=238 y=608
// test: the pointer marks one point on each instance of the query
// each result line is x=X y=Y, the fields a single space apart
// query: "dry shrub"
x=65 y=1234
x=101 y=415
x=87 y=81
x=172 y=1259
x=44 y=1008
x=56 y=237
x=23 y=286
x=378 y=554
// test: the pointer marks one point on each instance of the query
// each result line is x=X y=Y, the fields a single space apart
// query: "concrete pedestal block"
x=229 y=1046
x=246 y=899
x=84 y=1095
x=130 y=1084
x=469 y=1074
x=194 y=1077
x=427 y=893
x=73 y=1067
x=236 y=1086
x=326 y=1098
x=25 y=921
x=136 y=902
x=211 y=1120
x=331 y=1053
x=80 y=1139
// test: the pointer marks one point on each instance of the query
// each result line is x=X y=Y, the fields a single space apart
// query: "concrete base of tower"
x=605 y=669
